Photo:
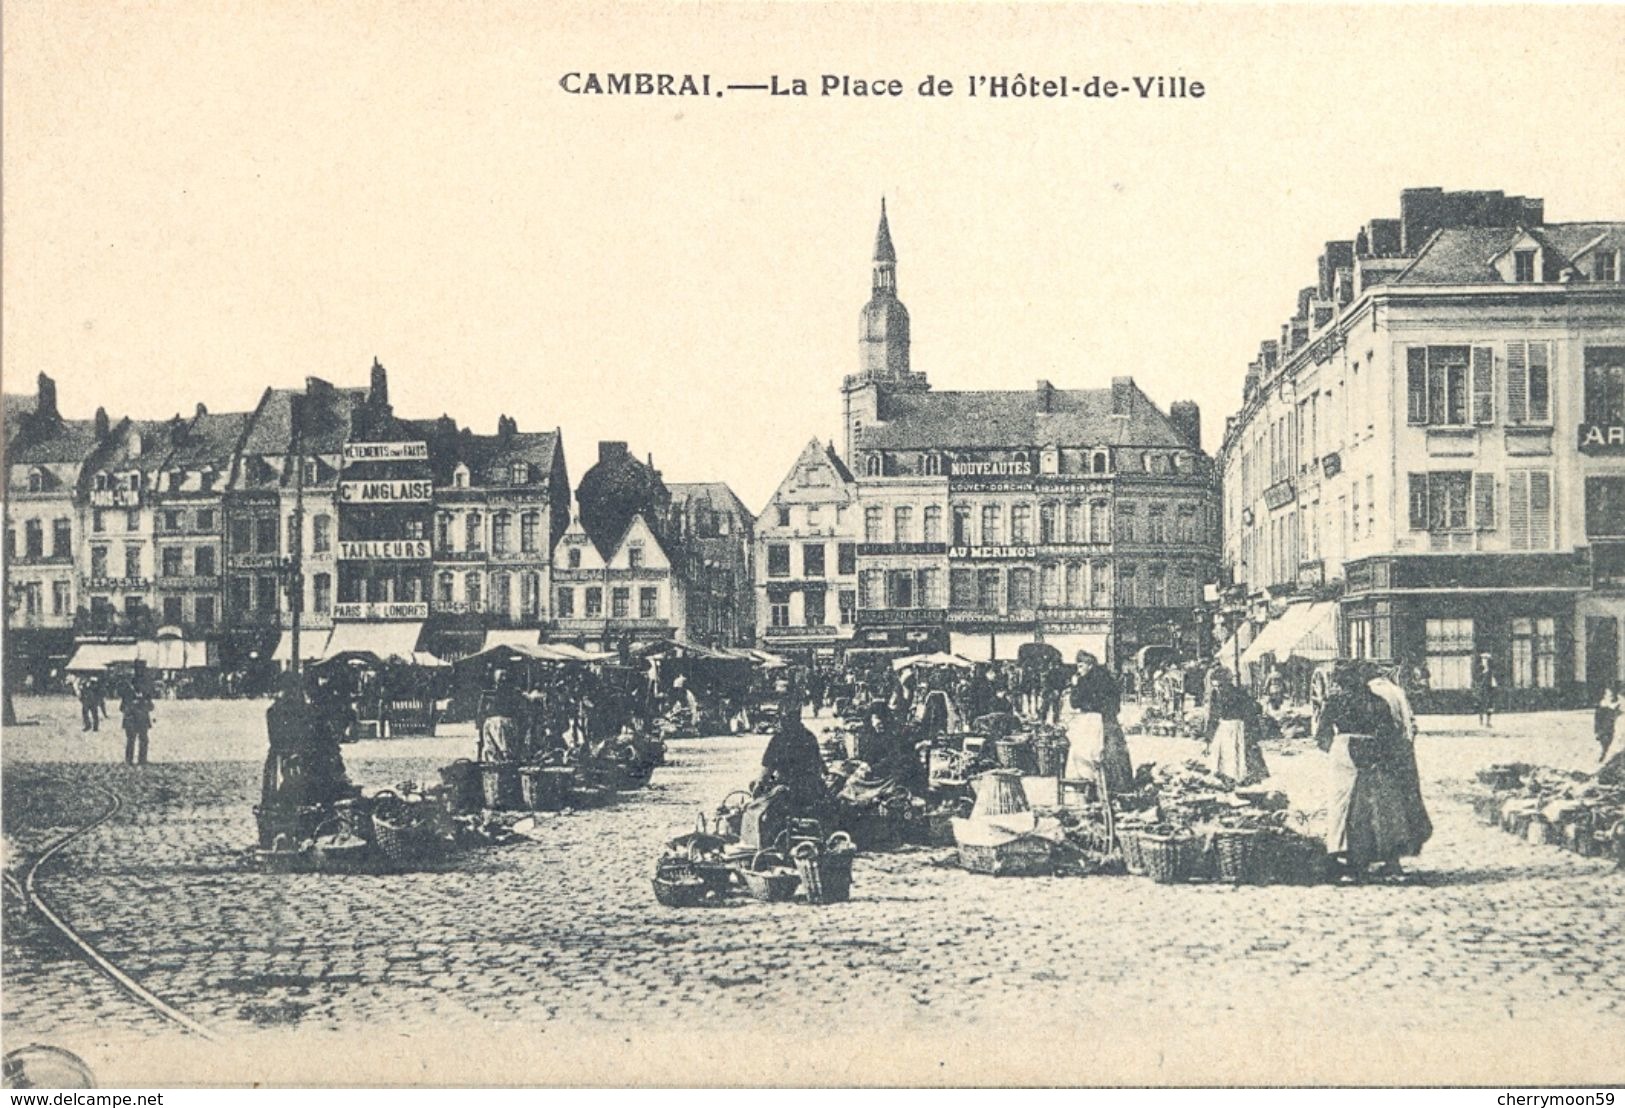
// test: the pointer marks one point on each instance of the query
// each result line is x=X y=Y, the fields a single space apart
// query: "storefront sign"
x=115 y=498
x=255 y=561
x=381 y=610
x=386 y=452
x=385 y=492
x=1279 y=494
x=993 y=552
x=1331 y=465
x=990 y=469
x=820 y=631
x=873 y=549
x=1602 y=438
x=115 y=584
x=373 y=550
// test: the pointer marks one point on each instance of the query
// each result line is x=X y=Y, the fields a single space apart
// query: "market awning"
x=511 y=637
x=175 y=654
x=1069 y=645
x=571 y=652
x=312 y=646
x=384 y=641
x=1307 y=630
x=93 y=656
x=938 y=659
x=984 y=647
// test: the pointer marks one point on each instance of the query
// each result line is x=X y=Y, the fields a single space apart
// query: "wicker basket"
x=336 y=850
x=464 y=792
x=1023 y=857
x=690 y=885
x=1168 y=859
x=545 y=788
x=769 y=878
x=826 y=874
x=1294 y=860
x=1239 y=856
x=730 y=814
x=1128 y=842
x=1016 y=754
x=500 y=783
x=402 y=833
x=1049 y=756
x=1000 y=793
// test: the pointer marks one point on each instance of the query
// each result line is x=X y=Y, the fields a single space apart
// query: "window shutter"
x=1518 y=509
x=1540 y=383
x=1484 y=501
x=1419 y=501
x=1483 y=384
x=1540 y=510
x=1416 y=376
x=1517 y=382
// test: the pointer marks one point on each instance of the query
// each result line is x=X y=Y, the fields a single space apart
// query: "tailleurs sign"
x=386 y=492
x=385 y=452
x=374 y=550
x=1602 y=438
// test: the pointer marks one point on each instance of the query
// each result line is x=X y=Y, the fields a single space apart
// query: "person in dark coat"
x=1484 y=685
x=792 y=759
x=136 y=707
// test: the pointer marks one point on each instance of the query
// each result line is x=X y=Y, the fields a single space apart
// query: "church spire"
x=885 y=278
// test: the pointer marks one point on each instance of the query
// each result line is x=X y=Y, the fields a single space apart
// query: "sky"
x=201 y=200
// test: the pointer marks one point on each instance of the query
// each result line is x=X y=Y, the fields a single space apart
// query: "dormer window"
x=101 y=482
x=1523 y=266
x=36 y=480
x=872 y=466
x=1050 y=460
x=459 y=477
x=1605 y=266
x=1098 y=463
x=1021 y=458
x=519 y=474
x=933 y=465
x=634 y=556
x=574 y=559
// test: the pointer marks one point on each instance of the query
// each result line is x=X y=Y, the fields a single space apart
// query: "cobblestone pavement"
x=564 y=928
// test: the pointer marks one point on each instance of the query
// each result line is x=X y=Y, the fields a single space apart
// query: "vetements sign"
x=385 y=549
x=386 y=451
x=385 y=492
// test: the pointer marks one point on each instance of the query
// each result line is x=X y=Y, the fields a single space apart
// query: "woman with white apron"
x=1095 y=740
x=1233 y=723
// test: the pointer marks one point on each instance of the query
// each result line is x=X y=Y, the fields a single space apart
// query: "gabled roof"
x=67 y=440
x=638 y=520
x=1467 y=255
x=814 y=453
x=721 y=497
x=211 y=439
x=327 y=420
x=1076 y=417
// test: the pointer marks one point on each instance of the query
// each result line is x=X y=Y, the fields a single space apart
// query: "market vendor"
x=501 y=709
x=1096 y=741
x=792 y=759
x=1234 y=722
x=303 y=766
x=894 y=755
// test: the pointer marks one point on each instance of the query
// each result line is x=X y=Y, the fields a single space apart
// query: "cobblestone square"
x=1493 y=936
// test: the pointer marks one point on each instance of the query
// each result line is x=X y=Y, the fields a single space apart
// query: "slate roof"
x=721 y=497
x=327 y=420
x=211 y=440
x=69 y=440
x=1077 y=417
x=1465 y=255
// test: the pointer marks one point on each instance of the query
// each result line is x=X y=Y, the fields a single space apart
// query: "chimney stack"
x=101 y=424
x=45 y=402
x=1186 y=417
x=1046 y=396
x=611 y=451
x=378 y=388
x=201 y=410
x=1122 y=396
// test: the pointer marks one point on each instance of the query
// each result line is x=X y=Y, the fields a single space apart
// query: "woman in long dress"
x=1095 y=740
x=1234 y=720
x=1368 y=819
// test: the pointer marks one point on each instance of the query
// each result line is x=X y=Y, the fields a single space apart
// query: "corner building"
x=1085 y=518
x=1438 y=440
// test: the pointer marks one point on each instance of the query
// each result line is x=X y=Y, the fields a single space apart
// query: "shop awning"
x=91 y=657
x=1069 y=645
x=511 y=637
x=983 y=647
x=173 y=654
x=312 y=646
x=1307 y=630
x=952 y=661
x=384 y=641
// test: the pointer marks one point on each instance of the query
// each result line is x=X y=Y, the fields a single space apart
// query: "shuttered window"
x=1484 y=501
x=1483 y=385
x=1529 y=382
x=1416 y=377
x=1419 y=501
x=1529 y=509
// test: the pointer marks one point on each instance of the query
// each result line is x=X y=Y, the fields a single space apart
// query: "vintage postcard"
x=813 y=544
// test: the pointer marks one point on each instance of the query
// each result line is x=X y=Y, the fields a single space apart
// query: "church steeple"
x=883 y=337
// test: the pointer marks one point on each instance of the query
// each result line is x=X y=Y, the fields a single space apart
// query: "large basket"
x=1239 y=856
x=1294 y=859
x=500 y=782
x=1023 y=857
x=730 y=814
x=1016 y=754
x=1168 y=859
x=545 y=788
x=826 y=874
x=403 y=833
x=768 y=878
x=690 y=884
x=1049 y=756
x=464 y=792
x=337 y=850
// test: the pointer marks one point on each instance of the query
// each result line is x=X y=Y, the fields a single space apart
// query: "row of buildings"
x=1432 y=450
x=411 y=535
x=981 y=521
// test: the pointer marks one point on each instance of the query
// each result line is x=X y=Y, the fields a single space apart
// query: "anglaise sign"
x=386 y=451
x=385 y=492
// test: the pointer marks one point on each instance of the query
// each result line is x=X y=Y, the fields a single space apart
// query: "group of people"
x=524 y=718
x=135 y=710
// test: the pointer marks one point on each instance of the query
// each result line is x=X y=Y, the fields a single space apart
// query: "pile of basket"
x=700 y=870
x=1551 y=807
x=1173 y=855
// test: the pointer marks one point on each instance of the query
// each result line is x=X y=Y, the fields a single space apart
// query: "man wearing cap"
x=1096 y=741
x=1484 y=688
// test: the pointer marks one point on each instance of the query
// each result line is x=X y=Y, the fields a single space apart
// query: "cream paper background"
x=204 y=199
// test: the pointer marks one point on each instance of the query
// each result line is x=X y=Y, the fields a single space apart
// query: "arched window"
x=933 y=465
x=474 y=532
x=1099 y=464
x=36 y=480
x=872 y=466
x=1021 y=458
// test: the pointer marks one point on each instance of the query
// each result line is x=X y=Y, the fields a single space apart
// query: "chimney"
x=611 y=452
x=201 y=410
x=1186 y=417
x=315 y=385
x=1046 y=397
x=378 y=388
x=101 y=424
x=507 y=427
x=1122 y=396
x=45 y=403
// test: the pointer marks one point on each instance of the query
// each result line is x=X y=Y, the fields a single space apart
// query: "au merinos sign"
x=385 y=492
x=386 y=451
